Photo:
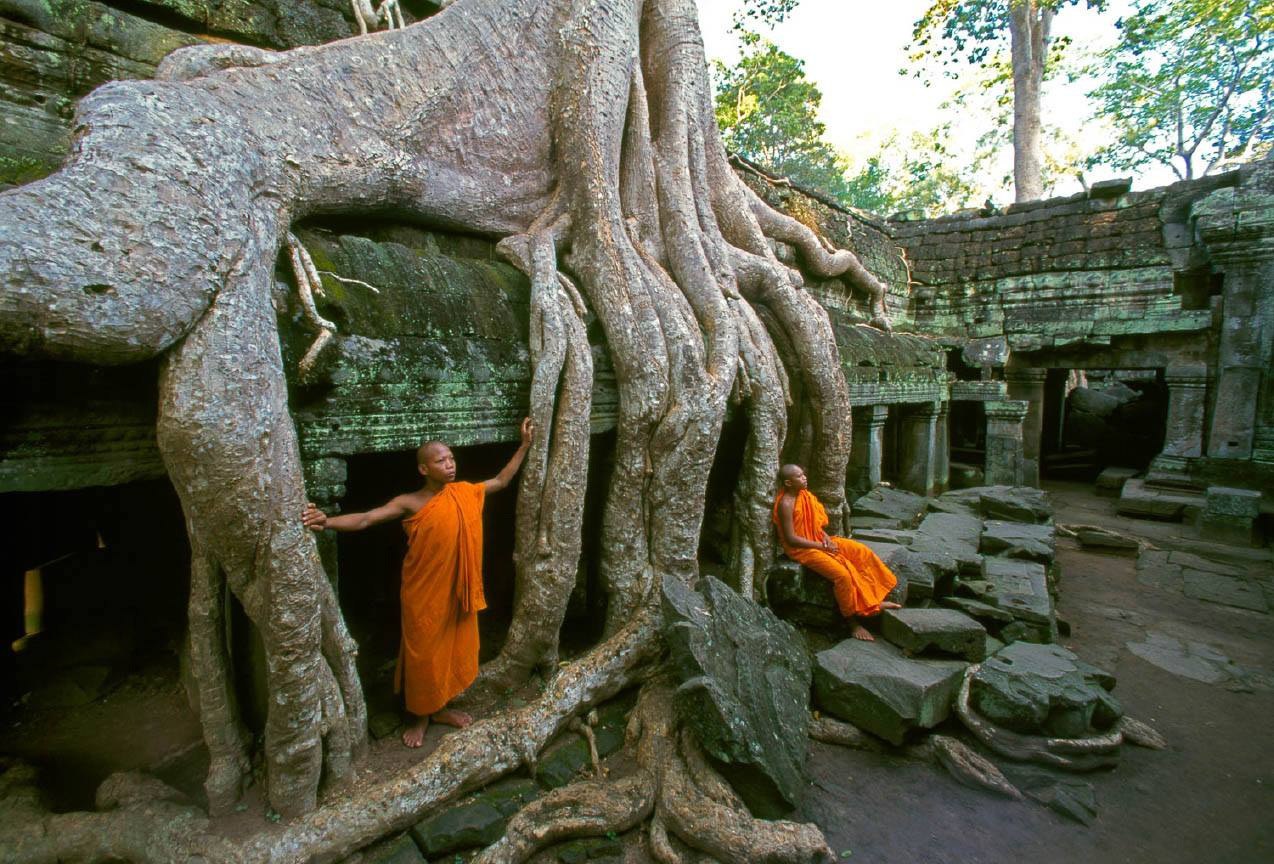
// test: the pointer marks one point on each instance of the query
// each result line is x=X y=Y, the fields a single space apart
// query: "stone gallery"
x=249 y=261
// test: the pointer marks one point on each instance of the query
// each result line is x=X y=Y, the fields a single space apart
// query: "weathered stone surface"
x=1228 y=501
x=1065 y=795
x=1043 y=689
x=1140 y=500
x=885 y=502
x=873 y=686
x=1016 y=504
x=918 y=577
x=1198 y=661
x=1018 y=540
x=962 y=476
x=1111 y=480
x=1224 y=590
x=943 y=631
x=745 y=690
x=477 y=821
x=602 y=850
x=384 y=723
x=402 y=850
x=953 y=535
x=1019 y=587
x=885 y=535
x=989 y=616
x=1093 y=402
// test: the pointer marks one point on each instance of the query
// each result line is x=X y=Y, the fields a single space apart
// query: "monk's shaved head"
x=422 y=452
x=787 y=472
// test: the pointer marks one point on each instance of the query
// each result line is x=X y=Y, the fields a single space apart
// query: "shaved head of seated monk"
x=441 y=582
x=860 y=580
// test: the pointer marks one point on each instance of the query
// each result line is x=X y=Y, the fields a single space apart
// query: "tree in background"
x=951 y=30
x=768 y=113
x=1189 y=85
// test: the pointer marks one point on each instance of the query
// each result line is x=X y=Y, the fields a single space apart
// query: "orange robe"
x=859 y=578
x=441 y=598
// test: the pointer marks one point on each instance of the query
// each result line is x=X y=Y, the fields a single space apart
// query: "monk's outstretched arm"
x=316 y=520
x=508 y=472
x=788 y=529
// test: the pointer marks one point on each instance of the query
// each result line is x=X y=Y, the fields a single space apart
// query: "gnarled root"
x=1073 y=754
x=971 y=768
x=1141 y=734
x=831 y=731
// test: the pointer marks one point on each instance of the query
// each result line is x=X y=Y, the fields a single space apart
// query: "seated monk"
x=442 y=580
x=859 y=578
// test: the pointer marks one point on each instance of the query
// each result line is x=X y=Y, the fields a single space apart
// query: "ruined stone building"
x=993 y=315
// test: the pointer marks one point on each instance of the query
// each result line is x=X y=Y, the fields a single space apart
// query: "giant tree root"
x=1073 y=754
x=692 y=811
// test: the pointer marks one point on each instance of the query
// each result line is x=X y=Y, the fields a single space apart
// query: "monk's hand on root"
x=314 y=518
x=528 y=431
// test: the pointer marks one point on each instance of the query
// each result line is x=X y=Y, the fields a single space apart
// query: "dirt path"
x=1209 y=799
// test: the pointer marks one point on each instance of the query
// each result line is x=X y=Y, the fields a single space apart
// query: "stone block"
x=1018 y=540
x=1111 y=480
x=1145 y=502
x=1021 y=588
x=566 y=758
x=601 y=850
x=885 y=502
x=1228 y=501
x=875 y=687
x=476 y=821
x=989 y=616
x=745 y=685
x=1044 y=689
x=1229 y=529
x=401 y=850
x=942 y=631
x=921 y=573
x=1093 y=402
x=1015 y=504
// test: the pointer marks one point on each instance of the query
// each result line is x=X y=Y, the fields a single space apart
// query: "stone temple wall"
x=1173 y=279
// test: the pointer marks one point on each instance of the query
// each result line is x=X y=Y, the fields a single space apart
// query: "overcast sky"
x=853 y=49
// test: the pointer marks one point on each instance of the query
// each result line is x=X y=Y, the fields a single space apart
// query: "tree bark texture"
x=1030 y=23
x=582 y=133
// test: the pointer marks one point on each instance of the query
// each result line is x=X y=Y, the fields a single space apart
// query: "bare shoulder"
x=786 y=502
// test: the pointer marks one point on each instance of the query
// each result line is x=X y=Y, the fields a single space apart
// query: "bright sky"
x=853 y=50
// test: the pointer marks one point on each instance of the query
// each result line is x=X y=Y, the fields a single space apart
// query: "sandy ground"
x=1208 y=799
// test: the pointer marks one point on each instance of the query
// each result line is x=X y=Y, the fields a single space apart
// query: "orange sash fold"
x=441 y=596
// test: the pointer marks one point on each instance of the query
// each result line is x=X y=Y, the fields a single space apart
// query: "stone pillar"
x=1004 y=456
x=325 y=483
x=942 y=450
x=1027 y=385
x=918 y=444
x=1183 y=434
x=868 y=452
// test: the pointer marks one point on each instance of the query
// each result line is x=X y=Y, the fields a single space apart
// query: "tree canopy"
x=768 y=112
x=1188 y=85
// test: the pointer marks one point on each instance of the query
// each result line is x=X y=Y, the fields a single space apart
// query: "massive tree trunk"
x=1029 y=25
x=582 y=133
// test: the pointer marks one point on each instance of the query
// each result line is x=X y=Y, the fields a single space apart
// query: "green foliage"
x=16 y=170
x=768 y=12
x=972 y=30
x=918 y=175
x=1189 y=85
x=768 y=112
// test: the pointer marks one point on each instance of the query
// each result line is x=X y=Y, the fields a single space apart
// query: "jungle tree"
x=582 y=134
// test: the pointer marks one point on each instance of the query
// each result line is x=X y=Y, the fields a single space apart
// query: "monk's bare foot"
x=861 y=632
x=414 y=735
x=452 y=717
x=889 y=604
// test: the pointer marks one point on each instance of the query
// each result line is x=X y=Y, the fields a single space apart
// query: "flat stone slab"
x=1111 y=480
x=942 y=631
x=1009 y=503
x=1020 y=588
x=951 y=535
x=1044 y=689
x=1019 y=540
x=902 y=537
x=885 y=502
x=1223 y=590
x=875 y=687
x=1207 y=565
x=1227 y=501
x=477 y=821
x=745 y=690
x=1142 y=501
x=1197 y=661
x=991 y=617
x=917 y=579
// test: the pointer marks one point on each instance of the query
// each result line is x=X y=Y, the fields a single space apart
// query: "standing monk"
x=859 y=578
x=442 y=580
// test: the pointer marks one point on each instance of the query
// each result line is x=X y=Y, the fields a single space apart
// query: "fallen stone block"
x=875 y=687
x=1044 y=690
x=989 y=616
x=951 y=535
x=745 y=685
x=1144 y=502
x=401 y=850
x=885 y=502
x=942 y=631
x=1111 y=480
x=1018 y=540
x=1016 y=504
x=477 y=821
x=917 y=578
x=1020 y=588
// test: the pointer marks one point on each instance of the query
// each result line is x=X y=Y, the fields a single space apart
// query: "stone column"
x=868 y=452
x=918 y=445
x=1004 y=456
x=1183 y=435
x=325 y=483
x=1027 y=385
x=942 y=450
